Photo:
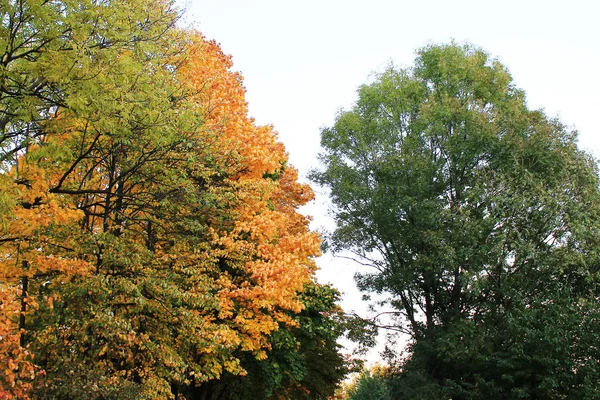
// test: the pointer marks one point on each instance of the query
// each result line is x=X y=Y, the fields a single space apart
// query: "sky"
x=303 y=61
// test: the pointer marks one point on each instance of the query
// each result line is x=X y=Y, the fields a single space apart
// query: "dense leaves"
x=480 y=219
x=303 y=361
x=150 y=242
x=370 y=384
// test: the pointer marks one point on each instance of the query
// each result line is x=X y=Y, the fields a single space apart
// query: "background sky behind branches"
x=303 y=61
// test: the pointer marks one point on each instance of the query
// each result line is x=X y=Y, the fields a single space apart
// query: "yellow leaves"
x=197 y=254
x=234 y=367
x=67 y=266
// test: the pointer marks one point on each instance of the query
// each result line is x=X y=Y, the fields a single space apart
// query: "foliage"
x=304 y=361
x=370 y=384
x=150 y=242
x=480 y=219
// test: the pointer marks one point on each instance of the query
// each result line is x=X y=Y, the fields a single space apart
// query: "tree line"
x=151 y=244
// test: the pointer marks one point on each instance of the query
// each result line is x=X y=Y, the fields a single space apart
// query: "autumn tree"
x=54 y=54
x=150 y=238
x=479 y=218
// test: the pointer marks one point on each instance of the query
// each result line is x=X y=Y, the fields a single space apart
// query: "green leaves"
x=304 y=361
x=469 y=206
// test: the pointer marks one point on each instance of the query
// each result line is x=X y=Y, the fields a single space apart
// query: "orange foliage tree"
x=268 y=248
x=151 y=231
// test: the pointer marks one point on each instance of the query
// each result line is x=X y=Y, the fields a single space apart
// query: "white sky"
x=303 y=61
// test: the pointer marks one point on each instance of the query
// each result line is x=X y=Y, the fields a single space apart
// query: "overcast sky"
x=303 y=61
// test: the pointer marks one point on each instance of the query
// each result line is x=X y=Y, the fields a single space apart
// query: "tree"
x=370 y=384
x=150 y=237
x=55 y=57
x=480 y=220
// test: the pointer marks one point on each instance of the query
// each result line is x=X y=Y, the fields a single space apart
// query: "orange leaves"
x=158 y=229
x=31 y=225
x=16 y=369
x=268 y=249
x=248 y=151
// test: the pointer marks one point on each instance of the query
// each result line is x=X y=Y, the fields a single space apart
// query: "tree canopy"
x=479 y=218
x=150 y=239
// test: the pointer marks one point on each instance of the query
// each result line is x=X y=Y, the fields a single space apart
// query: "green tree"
x=480 y=219
x=54 y=53
x=370 y=384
